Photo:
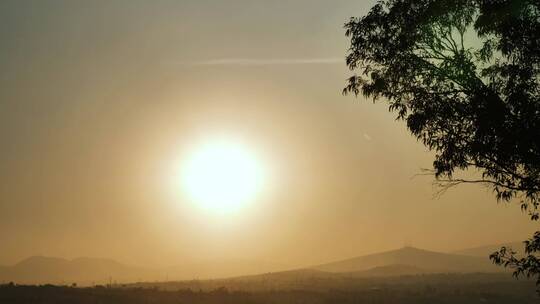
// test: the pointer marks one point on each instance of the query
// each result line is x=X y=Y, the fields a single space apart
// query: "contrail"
x=261 y=62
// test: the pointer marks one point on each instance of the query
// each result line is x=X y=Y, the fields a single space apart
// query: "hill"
x=390 y=270
x=89 y=271
x=85 y=271
x=424 y=260
x=403 y=265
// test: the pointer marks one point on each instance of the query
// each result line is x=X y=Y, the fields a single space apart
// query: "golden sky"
x=101 y=100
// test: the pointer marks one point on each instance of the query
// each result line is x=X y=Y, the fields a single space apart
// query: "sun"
x=222 y=176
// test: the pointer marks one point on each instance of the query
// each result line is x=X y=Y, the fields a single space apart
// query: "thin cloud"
x=262 y=62
x=367 y=137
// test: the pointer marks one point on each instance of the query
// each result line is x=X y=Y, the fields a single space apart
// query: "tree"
x=463 y=75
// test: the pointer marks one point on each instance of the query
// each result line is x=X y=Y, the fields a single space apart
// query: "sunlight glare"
x=222 y=176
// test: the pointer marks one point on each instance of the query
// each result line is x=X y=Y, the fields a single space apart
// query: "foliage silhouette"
x=463 y=75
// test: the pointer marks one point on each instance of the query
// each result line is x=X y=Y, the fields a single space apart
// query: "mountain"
x=424 y=260
x=390 y=270
x=222 y=268
x=485 y=251
x=85 y=271
x=394 y=263
x=90 y=271
x=373 y=279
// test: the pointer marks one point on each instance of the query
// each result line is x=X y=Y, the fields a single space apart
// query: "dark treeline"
x=403 y=290
x=501 y=283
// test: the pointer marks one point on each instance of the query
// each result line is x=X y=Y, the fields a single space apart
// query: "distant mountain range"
x=39 y=270
x=404 y=261
x=411 y=260
x=93 y=271
x=405 y=266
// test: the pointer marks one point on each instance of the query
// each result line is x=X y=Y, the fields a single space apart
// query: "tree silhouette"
x=463 y=75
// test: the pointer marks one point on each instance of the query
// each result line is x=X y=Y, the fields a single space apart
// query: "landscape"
x=269 y=152
x=405 y=275
x=404 y=261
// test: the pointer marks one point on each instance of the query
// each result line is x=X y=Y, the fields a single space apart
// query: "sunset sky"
x=102 y=102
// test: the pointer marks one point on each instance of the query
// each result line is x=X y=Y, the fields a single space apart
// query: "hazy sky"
x=100 y=100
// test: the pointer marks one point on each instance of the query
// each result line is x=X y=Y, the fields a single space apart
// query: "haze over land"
x=100 y=102
x=394 y=263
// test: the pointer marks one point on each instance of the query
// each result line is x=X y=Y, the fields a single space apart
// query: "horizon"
x=408 y=259
x=280 y=267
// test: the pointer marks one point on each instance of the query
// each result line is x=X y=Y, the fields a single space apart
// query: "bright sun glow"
x=222 y=176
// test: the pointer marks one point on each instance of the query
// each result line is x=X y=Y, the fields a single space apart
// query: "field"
x=444 y=288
